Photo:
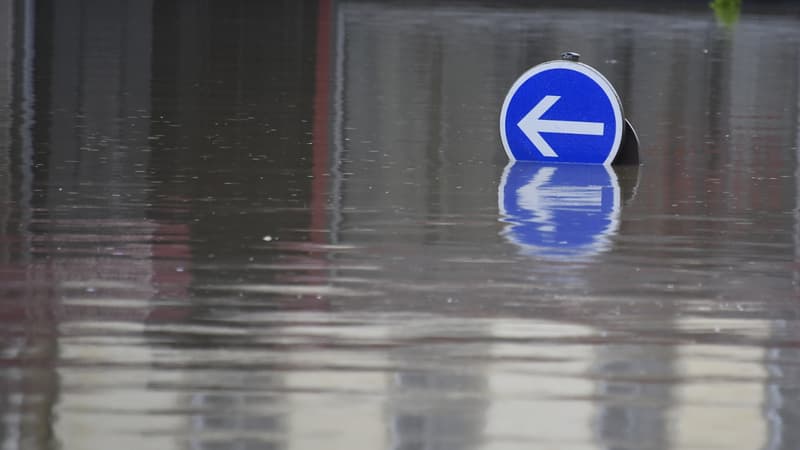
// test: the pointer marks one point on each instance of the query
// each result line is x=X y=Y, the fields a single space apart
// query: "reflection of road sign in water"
x=559 y=210
x=562 y=112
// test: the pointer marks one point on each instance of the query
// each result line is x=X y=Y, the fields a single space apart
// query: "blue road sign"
x=559 y=211
x=562 y=112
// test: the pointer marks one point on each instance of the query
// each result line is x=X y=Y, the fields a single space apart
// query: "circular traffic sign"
x=562 y=112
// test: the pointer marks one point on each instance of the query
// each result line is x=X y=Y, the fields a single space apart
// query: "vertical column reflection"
x=782 y=397
x=25 y=322
x=92 y=237
x=10 y=419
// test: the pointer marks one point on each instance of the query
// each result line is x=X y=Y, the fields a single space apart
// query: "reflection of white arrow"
x=532 y=125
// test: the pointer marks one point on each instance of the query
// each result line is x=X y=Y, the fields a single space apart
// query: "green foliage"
x=727 y=11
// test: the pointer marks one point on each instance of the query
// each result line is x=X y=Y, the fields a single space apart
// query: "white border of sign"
x=590 y=72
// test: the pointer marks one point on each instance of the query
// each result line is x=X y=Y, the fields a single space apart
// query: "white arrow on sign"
x=532 y=125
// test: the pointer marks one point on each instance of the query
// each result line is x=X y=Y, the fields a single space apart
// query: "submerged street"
x=292 y=225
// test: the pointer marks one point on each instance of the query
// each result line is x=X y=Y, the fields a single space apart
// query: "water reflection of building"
x=106 y=205
x=6 y=89
x=233 y=91
x=26 y=393
x=91 y=137
x=9 y=426
x=433 y=405
x=76 y=223
x=782 y=405
x=405 y=108
x=414 y=108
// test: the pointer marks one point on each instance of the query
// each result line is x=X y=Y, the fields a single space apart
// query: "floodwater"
x=291 y=225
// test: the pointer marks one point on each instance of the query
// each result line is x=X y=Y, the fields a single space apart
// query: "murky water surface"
x=292 y=225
